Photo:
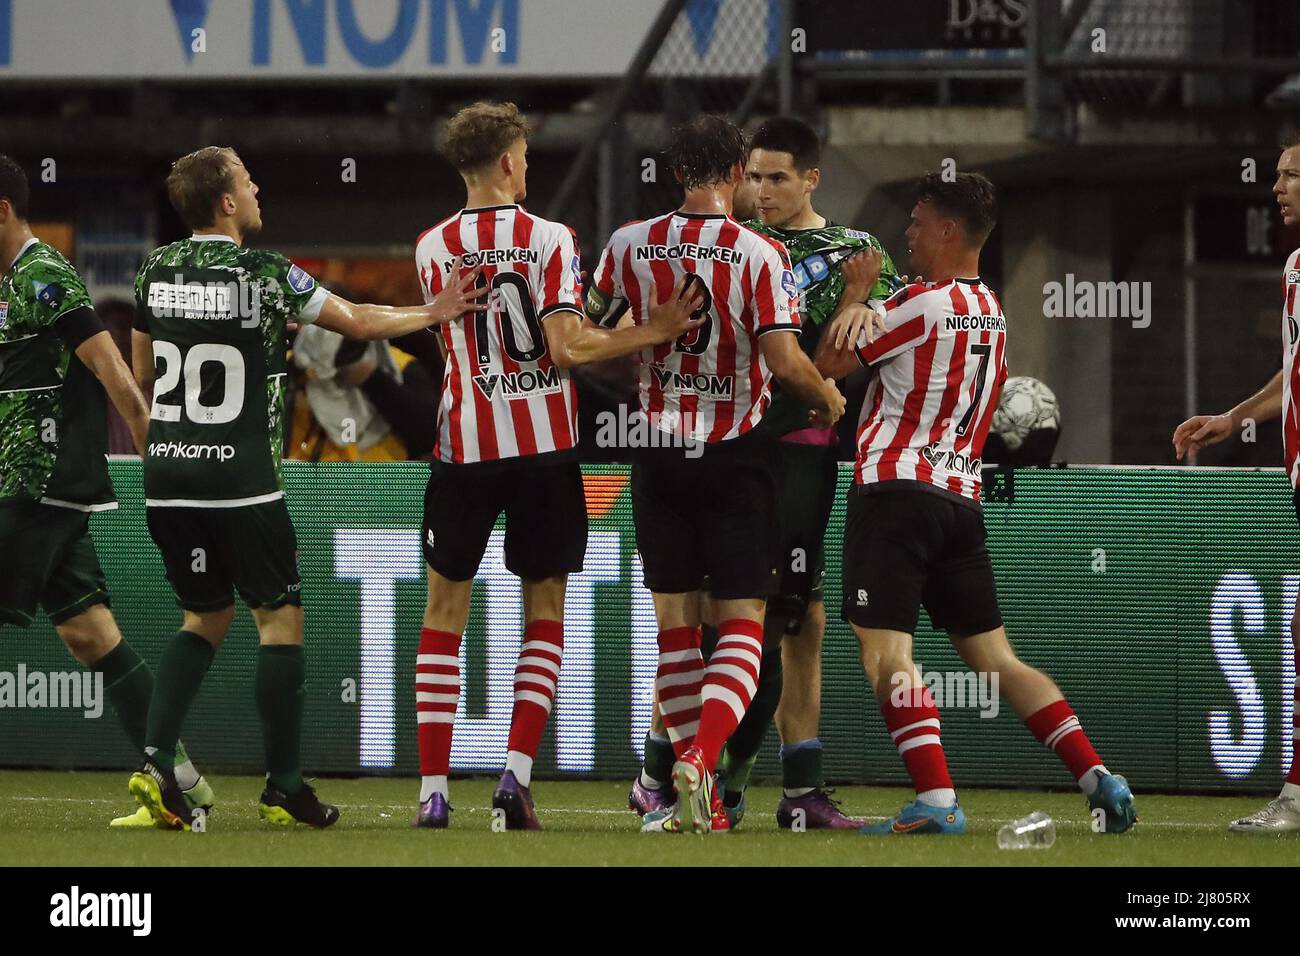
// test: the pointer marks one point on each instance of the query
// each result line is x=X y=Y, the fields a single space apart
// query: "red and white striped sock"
x=1057 y=728
x=535 y=678
x=437 y=688
x=729 y=684
x=677 y=684
x=914 y=727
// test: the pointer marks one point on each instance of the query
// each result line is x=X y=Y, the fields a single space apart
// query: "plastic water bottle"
x=1034 y=832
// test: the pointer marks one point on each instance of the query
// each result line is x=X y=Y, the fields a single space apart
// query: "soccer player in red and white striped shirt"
x=914 y=533
x=1280 y=397
x=703 y=499
x=507 y=430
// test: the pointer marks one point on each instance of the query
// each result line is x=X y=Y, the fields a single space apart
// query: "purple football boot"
x=644 y=800
x=435 y=813
x=816 y=810
x=516 y=802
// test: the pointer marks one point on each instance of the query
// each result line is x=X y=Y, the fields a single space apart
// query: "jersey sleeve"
x=561 y=286
x=776 y=293
x=906 y=327
x=56 y=289
x=432 y=277
x=606 y=293
x=303 y=296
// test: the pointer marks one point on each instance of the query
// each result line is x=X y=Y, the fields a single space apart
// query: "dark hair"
x=1290 y=138
x=480 y=133
x=13 y=185
x=704 y=150
x=969 y=198
x=786 y=134
x=197 y=182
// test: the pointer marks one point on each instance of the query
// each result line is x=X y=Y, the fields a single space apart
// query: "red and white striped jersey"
x=712 y=383
x=1291 y=369
x=941 y=363
x=502 y=395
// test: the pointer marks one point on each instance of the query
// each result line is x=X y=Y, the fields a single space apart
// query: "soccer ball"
x=1027 y=415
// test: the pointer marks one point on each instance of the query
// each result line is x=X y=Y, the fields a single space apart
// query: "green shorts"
x=210 y=553
x=50 y=562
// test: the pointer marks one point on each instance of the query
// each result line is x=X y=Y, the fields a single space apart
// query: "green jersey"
x=53 y=411
x=816 y=255
x=217 y=313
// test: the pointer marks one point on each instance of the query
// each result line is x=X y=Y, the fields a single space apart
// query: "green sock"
x=130 y=686
x=180 y=675
x=659 y=758
x=736 y=771
x=281 y=673
x=801 y=768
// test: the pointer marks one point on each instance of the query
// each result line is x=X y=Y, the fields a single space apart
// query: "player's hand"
x=835 y=401
x=671 y=317
x=459 y=296
x=847 y=328
x=861 y=270
x=1197 y=432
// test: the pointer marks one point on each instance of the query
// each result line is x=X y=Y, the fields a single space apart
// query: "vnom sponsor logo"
x=66 y=690
x=635 y=429
x=950 y=460
x=181 y=450
x=697 y=383
x=949 y=690
x=77 y=909
x=1082 y=299
x=525 y=382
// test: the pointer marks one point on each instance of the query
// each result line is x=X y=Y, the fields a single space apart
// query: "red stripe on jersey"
x=947 y=403
x=451 y=239
x=689 y=403
x=661 y=284
x=485 y=425
x=725 y=329
x=912 y=408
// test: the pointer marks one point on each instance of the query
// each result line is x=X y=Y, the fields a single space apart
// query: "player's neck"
x=486 y=195
x=962 y=266
x=222 y=228
x=708 y=201
x=14 y=240
x=806 y=218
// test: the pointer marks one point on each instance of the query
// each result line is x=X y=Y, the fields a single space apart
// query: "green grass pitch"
x=60 y=818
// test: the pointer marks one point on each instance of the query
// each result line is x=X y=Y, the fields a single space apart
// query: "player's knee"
x=212 y=626
x=90 y=635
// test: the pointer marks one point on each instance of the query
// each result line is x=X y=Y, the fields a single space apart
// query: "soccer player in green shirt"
x=209 y=348
x=57 y=362
x=834 y=267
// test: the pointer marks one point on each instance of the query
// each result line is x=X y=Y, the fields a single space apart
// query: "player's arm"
x=798 y=376
x=365 y=321
x=98 y=352
x=575 y=340
x=142 y=362
x=1201 y=430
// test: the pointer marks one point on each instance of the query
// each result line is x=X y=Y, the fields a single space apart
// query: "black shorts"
x=805 y=477
x=712 y=516
x=50 y=561
x=209 y=553
x=908 y=547
x=546 y=519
